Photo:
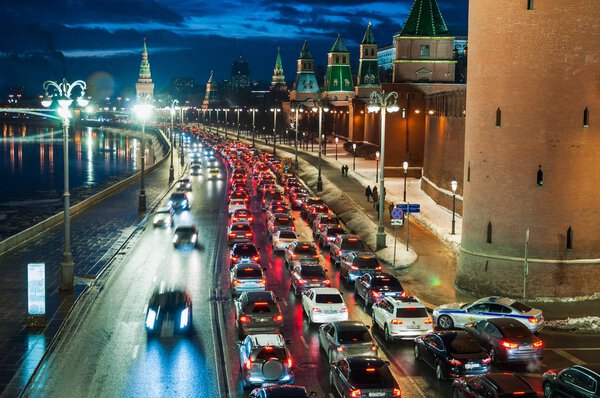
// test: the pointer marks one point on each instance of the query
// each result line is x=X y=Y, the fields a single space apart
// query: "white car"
x=323 y=305
x=401 y=318
x=236 y=204
x=282 y=239
x=456 y=315
x=163 y=217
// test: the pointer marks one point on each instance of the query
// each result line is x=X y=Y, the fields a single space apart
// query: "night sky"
x=100 y=41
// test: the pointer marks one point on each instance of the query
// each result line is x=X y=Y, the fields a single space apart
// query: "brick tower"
x=338 y=84
x=531 y=149
x=144 y=86
x=211 y=98
x=305 y=84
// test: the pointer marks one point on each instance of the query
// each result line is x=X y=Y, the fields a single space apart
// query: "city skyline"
x=101 y=41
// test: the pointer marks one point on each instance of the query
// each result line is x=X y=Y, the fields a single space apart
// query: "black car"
x=307 y=205
x=169 y=313
x=179 y=201
x=307 y=276
x=329 y=235
x=373 y=287
x=286 y=391
x=493 y=385
x=452 y=353
x=243 y=252
x=257 y=312
x=581 y=381
x=363 y=376
x=185 y=235
x=506 y=340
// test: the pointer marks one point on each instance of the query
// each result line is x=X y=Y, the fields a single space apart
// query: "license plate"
x=377 y=394
x=525 y=347
x=471 y=365
x=314 y=284
x=413 y=327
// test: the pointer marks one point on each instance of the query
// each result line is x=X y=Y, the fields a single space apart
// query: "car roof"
x=262 y=340
x=164 y=209
x=503 y=322
x=364 y=361
x=496 y=299
x=349 y=325
x=240 y=223
x=246 y=265
x=404 y=303
x=259 y=296
x=508 y=382
x=589 y=369
x=325 y=290
x=349 y=236
x=362 y=254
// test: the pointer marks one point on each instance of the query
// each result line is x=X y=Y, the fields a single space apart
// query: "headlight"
x=185 y=316
x=170 y=203
x=175 y=238
x=184 y=202
x=150 y=319
x=194 y=237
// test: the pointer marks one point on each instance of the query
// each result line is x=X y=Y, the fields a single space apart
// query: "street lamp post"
x=453 y=185
x=237 y=110
x=377 y=166
x=382 y=102
x=324 y=145
x=319 y=106
x=354 y=156
x=143 y=111
x=171 y=169
x=253 y=110
x=209 y=117
x=297 y=109
x=336 y=144
x=63 y=91
x=405 y=167
x=217 y=120
x=226 y=121
x=275 y=110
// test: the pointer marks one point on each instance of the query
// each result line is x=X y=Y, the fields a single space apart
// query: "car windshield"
x=185 y=230
x=169 y=300
x=329 y=299
x=287 y=235
x=352 y=244
x=521 y=307
x=334 y=231
x=315 y=271
x=386 y=282
x=411 y=312
x=306 y=249
x=249 y=272
x=163 y=211
x=354 y=336
x=177 y=196
x=270 y=352
x=246 y=250
x=515 y=329
x=366 y=262
x=371 y=377
x=461 y=343
x=237 y=202
x=284 y=221
x=242 y=212
x=311 y=202
x=330 y=221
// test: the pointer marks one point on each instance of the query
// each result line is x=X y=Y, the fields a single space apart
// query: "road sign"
x=397 y=222
x=397 y=213
x=409 y=207
x=36 y=288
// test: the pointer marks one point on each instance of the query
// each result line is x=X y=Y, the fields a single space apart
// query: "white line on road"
x=568 y=356
x=154 y=279
x=304 y=342
x=135 y=351
x=575 y=349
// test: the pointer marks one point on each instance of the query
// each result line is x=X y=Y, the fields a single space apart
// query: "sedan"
x=163 y=217
x=185 y=235
x=247 y=277
x=452 y=353
x=179 y=201
x=307 y=276
x=506 y=340
x=184 y=184
x=322 y=305
x=282 y=239
x=280 y=222
x=301 y=253
x=169 y=312
x=329 y=235
x=239 y=232
x=257 y=312
x=576 y=381
x=242 y=215
x=243 y=253
x=493 y=385
x=356 y=377
x=371 y=288
x=346 y=338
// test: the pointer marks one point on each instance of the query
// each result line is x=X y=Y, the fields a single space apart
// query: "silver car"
x=346 y=338
x=247 y=277
x=163 y=217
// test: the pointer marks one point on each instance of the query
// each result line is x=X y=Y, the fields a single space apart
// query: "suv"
x=264 y=359
x=300 y=253
x=307 y=276
x=328 y=235
x=236 y=204
x=257 y=312
x=280 y=222
x=373 y=287
x=306 y=204
x=355 y=264
x=271 y=196
x=322 y=221
x=247 y=277
x=314 y=211
x=404 y=318
x=578 y=379
x=344 y=244
x=494 y=385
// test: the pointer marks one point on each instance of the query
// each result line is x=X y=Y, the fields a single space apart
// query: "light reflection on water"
x=32 y=158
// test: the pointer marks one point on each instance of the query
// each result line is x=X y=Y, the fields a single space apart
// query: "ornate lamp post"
x=453 y=185
x=377 y=166
x=226 y=122
x=171 y=169
x=354 y=156
x=275 y=111
x=63 y=92
x=296 y=109
x=382 y=102
x=320 y=107
x=336 y=144
x=324 y=144
x=143 y=111
x=405 y=167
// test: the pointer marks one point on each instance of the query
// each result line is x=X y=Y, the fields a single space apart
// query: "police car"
x=456 y=315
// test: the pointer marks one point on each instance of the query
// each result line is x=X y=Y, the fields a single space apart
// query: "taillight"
x=248 y=234
x=403 y=294
x=255 y=258
x=262 y=282
x=294 y=256
x=327 y=282
x=250 y=219
x=290 y=363
x=378 y=268
x=278 y=318
x=428 y=321
x=455 y=362
x=301 y=281
x=509 y=345
x=354 y=268
x=533 y=319
x=248 y=364
x=316 y=256
x=340 y=349
x=235 y=219
x=245 y=319
x=293 y=228
x=355 y=394
x=396 y=392
x=487 y=361
x=397 y=322
x=339 y=252
x=374 y=348
x=235 y=258
x=538 y=344
x=232 y=235
x=236 y=283
x=376 y=294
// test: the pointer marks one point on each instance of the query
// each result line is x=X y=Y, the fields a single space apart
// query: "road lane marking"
x=568 y=356
x=154 y=279
x=304 y=342
x=576 y=349
x=135 y=351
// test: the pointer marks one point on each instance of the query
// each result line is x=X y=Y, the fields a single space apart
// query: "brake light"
x=294 y=256
x=354 y=267
x=245 y=319
x=340 y=349
x=396 y=392
x=519 y=393
x=250 y=219
x=374 y=348
x=278 y=318
x=533 y=320
x=428 y=321
x=403 y=294
x=538 y=344
x=316 y=309
x=376 y=294
x=235 y=258
x=509 y=345
x=235 y=219
x=355 y=394
x=327 y=282
x=248 y=364
x=339 y=252
x=236 y=283
x=487 y=361
x=301 y=281
x=397 y=322
x=290 y=363
x=378 y=268
x=293 y=228
x=232 y=235
x=248 y=234
x=455 y=362
x=316 y=256
x=261 y=282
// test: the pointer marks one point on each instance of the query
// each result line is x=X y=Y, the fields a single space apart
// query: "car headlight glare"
x=194 y=238
x=150 y=319
x=175 y=238
x=185 y=316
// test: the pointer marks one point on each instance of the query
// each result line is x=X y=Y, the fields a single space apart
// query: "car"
x=280 y=222
x=344 y=244
x=493 y=385
x=184 y=184
x=236 y=204
x=265 y=359
x=575 y=381
x=297 y=198
x=363 y=376
x=257 y=312
x=179 y=201
x=240 y=232
x=239 y=194
x=270 y=196
x=247 y=277
x=506 y=340
x=243 y=253
x=372 y=287
x=401 y=318
x=242 y=215
x=323 y=305
x=306 y=276
x=185 y=235
x=456 y=315
x=164 y=216
x=275 y=207
x=314 y=211
x=323 y=221
x=346 y=338
x=452 y=353
x=214 y=172
x=300 y=252
x=328 y=235
x=169 y=312
x=282 y=239
x=356 y=264
x=196 y=170
x=307 y=203
x=284 y=391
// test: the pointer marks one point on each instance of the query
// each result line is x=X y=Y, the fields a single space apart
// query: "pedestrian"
x=346 y=168
x=343 y=169
x=377 y=209
x=375 y=198
x=384 y=192
x=368 y=192
x=375 y=190
x=391 y=208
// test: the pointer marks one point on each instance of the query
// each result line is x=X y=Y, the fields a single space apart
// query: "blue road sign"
x=397 y=213
x=409 y=208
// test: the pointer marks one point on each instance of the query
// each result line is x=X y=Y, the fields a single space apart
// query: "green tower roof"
x=338 y=46
x=278 y=64
x=369 y=36
x=424 y=19
x=305 y=53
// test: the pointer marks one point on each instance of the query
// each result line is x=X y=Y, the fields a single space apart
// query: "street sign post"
x=397 y=219
x=36 y=293
x=409 y=207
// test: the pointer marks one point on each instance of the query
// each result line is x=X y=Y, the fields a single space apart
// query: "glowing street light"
x=453 y=185
x=320 y=107
x=336 y=144
x=171 y=169
x=143 y=111
x=405 y=167
x=275 y=111
x=377 y=166
x=354 y=156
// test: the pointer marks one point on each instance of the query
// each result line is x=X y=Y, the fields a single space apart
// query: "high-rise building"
x=144 y=86
x=338 y=85
x=240 y=75
x=211 y=98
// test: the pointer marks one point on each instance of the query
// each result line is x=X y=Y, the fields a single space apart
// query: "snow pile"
x=590 y=324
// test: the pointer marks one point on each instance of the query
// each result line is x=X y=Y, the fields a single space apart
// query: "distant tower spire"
x=211 y=98
x=305 y=85
x=278 y=81
x=368 y=69
x=144 y=85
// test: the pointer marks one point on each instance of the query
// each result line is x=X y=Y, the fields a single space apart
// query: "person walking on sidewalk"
x=368 y=192
x=375 y=190
x=391 y=208
x=346 y=170
x=343 y=169
x=375 y=198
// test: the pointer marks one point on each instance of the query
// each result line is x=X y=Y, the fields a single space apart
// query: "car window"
x=411 y=312
x=312 y=272
x=249 y=272
x=479 y=308
x=491 y=330
x=366 y=262
x=354 y=336
x=306 y=249
x=499 y=309
x=480 y=326
x=270 y=352
x=388 y=282
x=476 y=385
x=245 y=250
x=261 y=308
x=515 y=329
x=568 y=376
x=287 y=235
x=461 y=343
x=329 y=299
x=352 y=244
x=584 y=381
x=520 y=307
x=375 y=377
x=343 y=366
x=284 y=221
x=433 y=341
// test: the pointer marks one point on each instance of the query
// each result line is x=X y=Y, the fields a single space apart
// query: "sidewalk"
x=96 y=234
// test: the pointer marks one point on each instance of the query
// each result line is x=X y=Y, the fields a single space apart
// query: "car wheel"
x=548 y=393
x=417 y=352
x=439 y=372
x=387 y=335
x=445 y=322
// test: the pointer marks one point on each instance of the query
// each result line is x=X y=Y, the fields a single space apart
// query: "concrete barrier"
x=30 y=233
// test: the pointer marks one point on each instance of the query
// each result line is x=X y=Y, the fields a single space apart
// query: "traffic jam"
x=316 y=312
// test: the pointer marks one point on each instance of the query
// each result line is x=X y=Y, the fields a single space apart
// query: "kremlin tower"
x=305 y=85
x=144 y=86
x=278 y=80
x=338 y=85
x=368 y=69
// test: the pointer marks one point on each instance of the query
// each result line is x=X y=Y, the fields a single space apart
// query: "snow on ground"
x=589 y=324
